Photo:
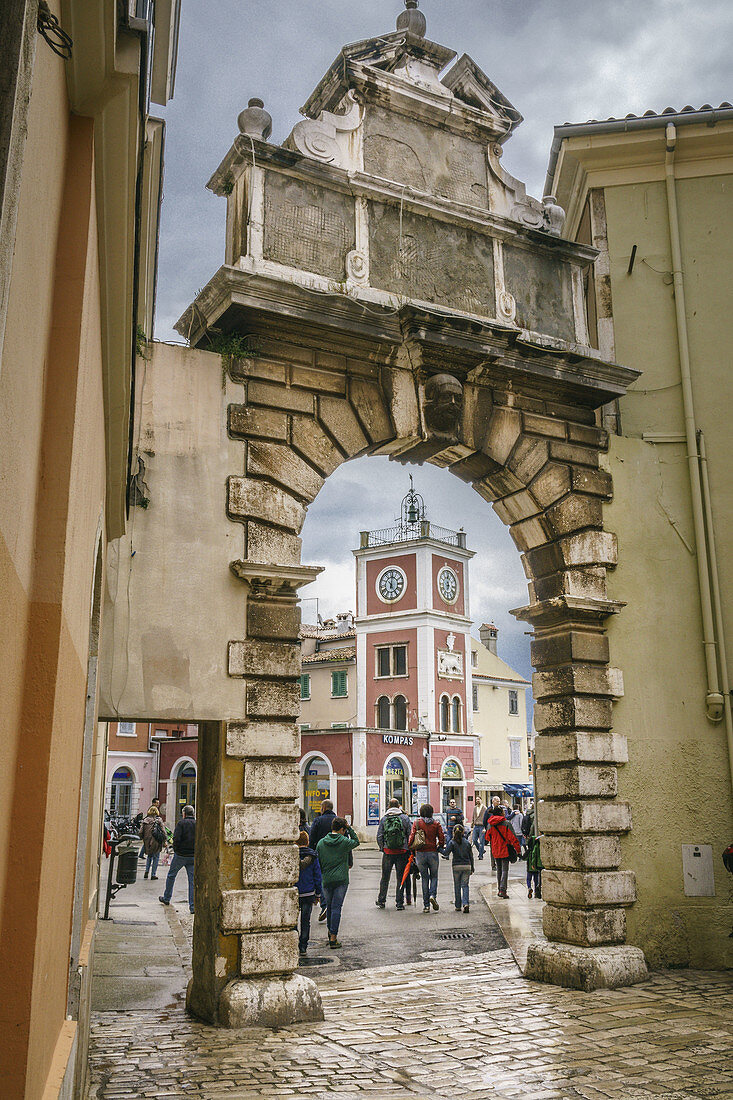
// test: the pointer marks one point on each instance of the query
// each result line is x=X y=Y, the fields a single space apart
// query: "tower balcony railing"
x=410 y=532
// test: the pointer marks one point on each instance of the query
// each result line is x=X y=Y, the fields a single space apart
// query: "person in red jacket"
x=426 y=854
x=501 y=837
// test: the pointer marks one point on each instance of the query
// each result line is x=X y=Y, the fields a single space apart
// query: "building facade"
x=147 y=760
x=397 y=701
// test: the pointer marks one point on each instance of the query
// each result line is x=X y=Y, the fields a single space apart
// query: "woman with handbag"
x=504 y=848
x=153 y=838
x=426 y=840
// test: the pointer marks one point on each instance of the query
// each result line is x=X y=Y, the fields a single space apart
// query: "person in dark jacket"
x=493 y=808
x=333 y=854
x=322 y=827
x=501 y=837
x=184 y=842
x=463 y=866
x=427 y=854
x=453 y=817
x=392 y=834
x=309 y=888
x=534 y=859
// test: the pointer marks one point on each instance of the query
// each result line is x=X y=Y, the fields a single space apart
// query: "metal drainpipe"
x=714 y=698
x=717 y=605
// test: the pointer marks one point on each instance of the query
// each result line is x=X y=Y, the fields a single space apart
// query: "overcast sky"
x=556 y=61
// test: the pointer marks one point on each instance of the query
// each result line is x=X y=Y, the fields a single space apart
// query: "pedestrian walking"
x=309 y=889
x=534 y=858
x=153 y=838
x=184 y=843
x=154 y=802
x=333 y=853
x=503 y=841
x=453 y=817
x=515 y=817
x=392 y=835
x=494 y=807
x=426 y=838
x=478 y=829
x=459 y=847
x=322 y=827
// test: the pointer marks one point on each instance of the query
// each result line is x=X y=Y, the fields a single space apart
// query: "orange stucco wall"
x=51 y=500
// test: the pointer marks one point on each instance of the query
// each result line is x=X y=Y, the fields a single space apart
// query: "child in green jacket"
x=333 y=855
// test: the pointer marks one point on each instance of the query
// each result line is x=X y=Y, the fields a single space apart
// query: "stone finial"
x=254 y=121
x=412 y=20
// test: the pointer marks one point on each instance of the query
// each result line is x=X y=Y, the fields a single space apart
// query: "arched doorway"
x=120 y=795
x=185 y=787
x=317 y=785
x=452 y=784
x=397 y=782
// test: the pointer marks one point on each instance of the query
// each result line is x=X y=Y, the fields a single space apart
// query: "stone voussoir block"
x=285 y=398
x=596 y=483
x=577 y=679
x=274 y=779
x=250 y=422
x=367 y=397
x=583 y=582
x=530 y=533
x=575 y=512
x=258 y=908
x=544 y=425
x=270 y=865
x=268 y=953
x=267 y=544
x=589 y=548
x=581 y=853
x=578 y=781
x=249 y=499
x=505 y=428
x=589 y=888
x=273 y=699
x=565 y=646
x=588 y=435
x=553 y=482
x=310 y=441
x=337 y=417
x=528 y=458
x=263 y=739
x=571 y=817
x=516 y=507
x=261 y=823
x=583 y=747
x=574 y=453
x=282 y=465
x=584 y=927
x=276 y=619
x=573 y=712
x=257 y=658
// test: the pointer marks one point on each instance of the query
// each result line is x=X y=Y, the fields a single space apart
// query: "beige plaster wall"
x=171 y=634
x=321 y=709
x=494 y=725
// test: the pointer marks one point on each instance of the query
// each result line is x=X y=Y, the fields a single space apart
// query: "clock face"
x=448 y=584
x=391 y=584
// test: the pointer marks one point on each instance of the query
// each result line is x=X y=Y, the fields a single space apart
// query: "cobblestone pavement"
x=472 y=1027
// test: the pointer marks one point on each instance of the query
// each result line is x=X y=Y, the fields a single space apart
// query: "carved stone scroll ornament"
x=442 y=405
x=326 y=137
x=545 y=216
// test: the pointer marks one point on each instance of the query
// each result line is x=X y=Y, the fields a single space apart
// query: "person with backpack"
x=534 y=859
x=504 y=848
x=322 y=827
x=426 y=839
x=153 y=838
x=463 y=866
x=392 y=834
x=309 y=888
x=333 y=853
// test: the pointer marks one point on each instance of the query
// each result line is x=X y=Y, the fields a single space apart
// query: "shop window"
x=339 y=684
x=456 y=714
x=383 y=713
x=474 y=692
x=391 y=661
x=400 y=712
x=514 y=702
x=126 y=729
x=305 y=686
x=316 y=786
x=395 y=785
x=515 y=754
x=444 y=714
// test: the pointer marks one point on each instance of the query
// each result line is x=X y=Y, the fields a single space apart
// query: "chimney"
x=488 y=634
x=344 y=622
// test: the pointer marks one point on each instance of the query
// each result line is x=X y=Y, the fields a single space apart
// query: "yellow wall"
x=678 y=778
x=51 y=504
x=494 y=725
x=321 y=710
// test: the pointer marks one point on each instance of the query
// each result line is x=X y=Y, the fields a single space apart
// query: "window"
x=316 y=786
x=305 y=686
x=456 y=713
x=339 y=684
x=120 y=796
x=395 y=780
x=304 y=726
x=514 y=702
x=339 y=725
x=383 y=710
x=160 y=733
x=515 y=754
x=474 y=658
x=126 y=729
x=391 y=661
x=444 y=714
x=475 y=696
x=400 y=712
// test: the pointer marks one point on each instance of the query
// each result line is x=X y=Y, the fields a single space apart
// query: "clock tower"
x=413 y=647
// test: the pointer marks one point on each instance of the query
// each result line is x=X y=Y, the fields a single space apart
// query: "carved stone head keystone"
x=443 y=404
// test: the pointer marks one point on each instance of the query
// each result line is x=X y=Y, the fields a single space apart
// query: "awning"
x=519 y=790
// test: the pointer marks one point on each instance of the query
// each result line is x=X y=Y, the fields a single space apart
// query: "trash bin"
x=127 y=853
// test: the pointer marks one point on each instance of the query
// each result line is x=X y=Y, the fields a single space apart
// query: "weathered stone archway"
x=424 y=307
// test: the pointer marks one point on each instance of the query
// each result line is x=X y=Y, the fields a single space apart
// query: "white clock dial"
x=448 y=585
x=391 y=584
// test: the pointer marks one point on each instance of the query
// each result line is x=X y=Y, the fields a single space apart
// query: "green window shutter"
x=305 y=686
x=339 y=684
